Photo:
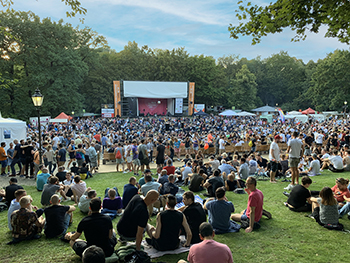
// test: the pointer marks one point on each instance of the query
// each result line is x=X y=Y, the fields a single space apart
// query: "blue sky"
x=199 y=26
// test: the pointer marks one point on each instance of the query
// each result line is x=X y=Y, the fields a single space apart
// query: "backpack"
x=250 y=144
x=118 y=155
x=141 y=154
x=137 y=257
x=78 y=156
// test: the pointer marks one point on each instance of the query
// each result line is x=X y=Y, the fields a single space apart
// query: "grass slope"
x=288 y=237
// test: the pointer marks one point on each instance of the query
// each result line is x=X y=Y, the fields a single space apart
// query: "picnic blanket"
x=197 y=199
x=154 y=253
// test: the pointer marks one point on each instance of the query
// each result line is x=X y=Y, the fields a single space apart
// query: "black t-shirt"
x=298 y=196
x=96 y=229
x=55 y=220
x=216 y=182
x=61 y=176
x=135 y=215
x=195 y=216
x=232 y=185
x=195 y=182
x=18 y=151
x=262 y=163
x=10 y=192
x=161 y=150
x=169 y=235
x=28 y=151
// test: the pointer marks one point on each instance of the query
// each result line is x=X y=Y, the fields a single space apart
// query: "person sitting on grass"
x=15 y=205
x=50 y=189
x=232 y=184
x=334 y=163
x=208 y=250
x=78 y=188
x=197 y=181
x=41 y=179
x=84 y=201
x=325 y=208
x=165 y=236
x=26 y=224
x=194 y=213
x=213 y=183
x=129 y=191
x=98 y=231
x=243 y=171
x=340 y=190
x=299 y=198
x=219 y=212
x=58 y=218
x=163 y=177
x=10 y=190
x=250 y=218
x=170 y=168
x=68 y=183
x=61 y=174
x=74 y=169
x=314 y=168
x=112 y=205
x=84 y=171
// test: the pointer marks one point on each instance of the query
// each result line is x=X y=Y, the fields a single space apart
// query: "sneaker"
x=286 y=193
x=311 y=216
x=289 y=187
x=267 y=214
x=285 y=204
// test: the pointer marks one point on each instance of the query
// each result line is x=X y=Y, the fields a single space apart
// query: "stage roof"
x=155 y=89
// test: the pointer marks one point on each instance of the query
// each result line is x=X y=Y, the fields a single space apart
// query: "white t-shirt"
x=55 y=141
x=221 y=144
x=319 y=138
x=185 y=172
x=276 y=152
x=337 y=162
x=315 y=165
x=295 y=148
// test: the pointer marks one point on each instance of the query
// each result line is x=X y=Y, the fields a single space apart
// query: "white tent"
x=245 y=113
x=228 y=113
x=11 y=129
x=294 y=113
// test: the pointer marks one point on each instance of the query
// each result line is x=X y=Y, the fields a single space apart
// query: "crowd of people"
x=76 y=148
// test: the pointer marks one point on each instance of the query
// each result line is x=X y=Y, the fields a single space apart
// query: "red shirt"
x=97 y=137
x=169 y=170
x=256 y=199
x=339 y=195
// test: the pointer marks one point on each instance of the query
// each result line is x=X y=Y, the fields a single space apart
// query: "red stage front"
x=152 y=106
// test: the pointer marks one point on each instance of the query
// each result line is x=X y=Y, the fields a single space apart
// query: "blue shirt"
x=128 y=193
x=41 y=179
x=219 y=213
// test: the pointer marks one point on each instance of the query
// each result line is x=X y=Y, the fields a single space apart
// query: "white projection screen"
x=155 y=89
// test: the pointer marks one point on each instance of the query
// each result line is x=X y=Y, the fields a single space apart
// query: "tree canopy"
x=299 y=15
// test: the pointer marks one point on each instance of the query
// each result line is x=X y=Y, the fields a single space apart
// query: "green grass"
x=288 y=237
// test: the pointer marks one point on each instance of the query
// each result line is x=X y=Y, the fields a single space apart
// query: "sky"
x=200 y=26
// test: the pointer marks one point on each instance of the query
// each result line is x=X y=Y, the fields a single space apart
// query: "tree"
x=301 y=16
x=242 y=93
x=75 y=6
x=330 y=82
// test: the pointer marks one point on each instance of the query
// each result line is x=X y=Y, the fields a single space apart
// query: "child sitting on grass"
x=84 y=171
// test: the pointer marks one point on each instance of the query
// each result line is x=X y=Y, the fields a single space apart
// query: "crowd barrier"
x=211 y=150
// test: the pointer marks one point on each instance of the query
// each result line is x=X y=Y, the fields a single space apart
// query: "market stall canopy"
x=245 y=113
x=62 y=117
x=228 y=113
x=11 y=129
x=266 y=108
x=308 y=111
x=294 y=113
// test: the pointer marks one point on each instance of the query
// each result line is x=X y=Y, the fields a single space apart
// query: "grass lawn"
x=287 y=237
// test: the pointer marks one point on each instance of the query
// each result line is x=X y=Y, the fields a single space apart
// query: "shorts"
x=274 y=167
x=177 y=150
x=144 y=161
x=160 y=161
x=187 y=148
x=293 y=162
x=3 y=163
x=245 y=222
x=79 y=247
x=129 y=159
x=136 y=162
x=196 y=148
x=119 y=161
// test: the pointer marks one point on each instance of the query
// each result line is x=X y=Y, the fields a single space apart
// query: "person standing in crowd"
x=295 y=150
x=274 y=156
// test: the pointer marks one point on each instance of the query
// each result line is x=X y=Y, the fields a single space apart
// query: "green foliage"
x=330 y=83
x=301 y=16
x=242 y=93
